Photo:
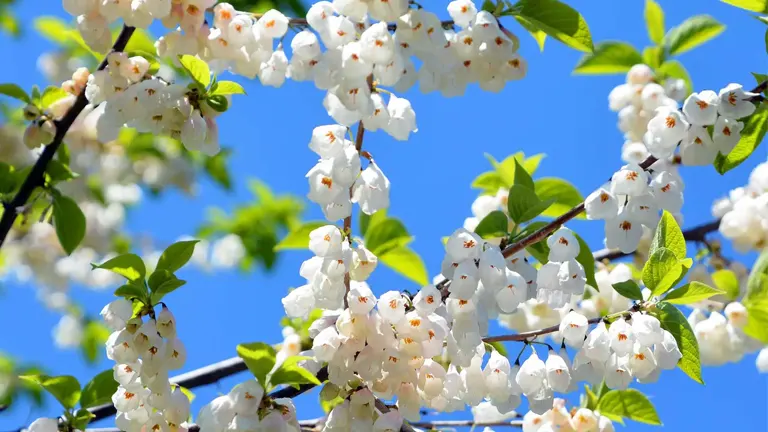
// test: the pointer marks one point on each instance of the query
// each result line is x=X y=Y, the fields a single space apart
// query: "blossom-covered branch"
x=36 y=177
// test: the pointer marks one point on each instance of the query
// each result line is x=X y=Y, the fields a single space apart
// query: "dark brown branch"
x=36 y=177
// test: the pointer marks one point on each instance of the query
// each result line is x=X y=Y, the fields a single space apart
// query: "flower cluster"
x=339 y=171
x=559 y=418
x=144 y=352
x=636 y=101
x=124 y=95
x=246 y=408
x=744 y=220
x=720 y=335
x=562 y=278
x=633 y=200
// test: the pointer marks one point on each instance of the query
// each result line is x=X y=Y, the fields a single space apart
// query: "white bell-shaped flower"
x=735 y=102
x=574 y=328
x=532 y=375
x=563 y=245
x=701 y=108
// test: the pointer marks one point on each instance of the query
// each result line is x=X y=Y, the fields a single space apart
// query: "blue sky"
x=551 y=111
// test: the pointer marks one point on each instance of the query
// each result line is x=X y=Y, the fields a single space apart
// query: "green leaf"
x=299 y=237
x=69 y=221
x=675 y=69
x=757 y=283
x=727 y=281
x=369 y=221
x=587 y=260
x=668 y=235
x=197 y=69
x=760 y=6
x=50 y=95
x=520 y=201
x=611 y=57
x=408 y=263
x=64 y=388
x=130 y=266
x=691 y=292
x=495 y=225
x=489 y=182
x=158 y=277
x=661 y=271
x=564 y=194
x=260 y=359
x=176 y=255
x=218 y=103
x=290 y=373
x=81 y=418
x=538 y=35
x=14 y=91
x=653 y=56
x=228 y=88
x=522 y=177
x=499 y=347
x=556 y=19
x=132 y=291
x=58 y=172
x=673 y=321
x=757 y=320
x=166 y=288
x=386 y=235
x=654 y=21
x=691 y=33
x=629 y=403
x=99 y=390
x=95 y=334
x=752 y=135
x=216 y=168
x=629 y=289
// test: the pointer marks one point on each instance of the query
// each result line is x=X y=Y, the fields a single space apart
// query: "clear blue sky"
x=551 y=111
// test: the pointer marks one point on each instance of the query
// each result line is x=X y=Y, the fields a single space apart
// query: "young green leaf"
x=757 y=321
x=99 y=390
x=691 y=33
x=522 y=177
x=489 y=182
x=228 y=88
x=176 y=255
x=629 y=403
x=408 y=263
x=389 y=234
x=69 y=221
x=166 y=288
x=495 y=225
x=129 y=266
x=298 y=238
x=367 y=222
x=629 y=289
x=760 y=6
x=521 y=199
x=565 y=195
x=197 y=69
x=50 y=95
x=81 y=418
x=64 y=388
x=158 y=277
x=752 y=135
x=556 y=19
x=727 y=281
x=653 y=56
x=668 y=235
x=673 y=321
x=691 y=292
x=661 y=271
x=14 y=91
x=610 y=57
x=260 y=359
x=538 y=35
x=290 y=373
x=95 y=334
x=654 y=21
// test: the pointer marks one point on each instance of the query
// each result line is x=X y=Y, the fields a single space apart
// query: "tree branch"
x=36 y=177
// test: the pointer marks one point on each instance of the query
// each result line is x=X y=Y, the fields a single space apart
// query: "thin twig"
x=36 y=177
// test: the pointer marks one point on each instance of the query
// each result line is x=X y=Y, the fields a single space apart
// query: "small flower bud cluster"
x=325 y=273
x=633 y=199
x=246 y=408
x=126 y=97
x=559 y=418
x=636 y=101
x=562 y=278
x=144 y=352
x=339 y=171
x=720 y=335
x=744 y=219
